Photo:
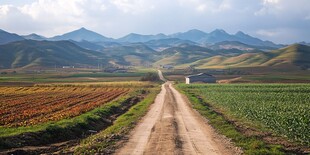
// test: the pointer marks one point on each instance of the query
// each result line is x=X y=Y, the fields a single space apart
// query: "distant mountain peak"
x=82 y=30
x=82 y=34
x=239 y=33
x=34 y=36
x=195 y=31
x=133 y=34
x=219 y=31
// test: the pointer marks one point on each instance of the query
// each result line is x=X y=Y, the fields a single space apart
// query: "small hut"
x=202 y=77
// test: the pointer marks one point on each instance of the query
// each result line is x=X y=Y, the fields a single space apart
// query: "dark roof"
x=200 y=74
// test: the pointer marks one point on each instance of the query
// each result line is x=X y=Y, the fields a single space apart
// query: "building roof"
x=200 y=74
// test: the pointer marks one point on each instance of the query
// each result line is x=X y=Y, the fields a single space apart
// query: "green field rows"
x=283 y=108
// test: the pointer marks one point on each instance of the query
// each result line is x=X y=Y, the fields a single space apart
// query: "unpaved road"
x=172 y=127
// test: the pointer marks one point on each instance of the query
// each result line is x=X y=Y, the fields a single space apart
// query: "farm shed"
x=167 y=66
x=202 y=77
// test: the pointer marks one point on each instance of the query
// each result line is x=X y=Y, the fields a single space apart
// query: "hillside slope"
x=183 y=54
x=294 y=55
x=6 y=37
x=136 y=54
x=30 y=53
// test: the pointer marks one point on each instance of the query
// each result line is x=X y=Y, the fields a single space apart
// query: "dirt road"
x=172 y=127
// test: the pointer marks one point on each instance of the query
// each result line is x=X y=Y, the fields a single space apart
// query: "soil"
x=37 y=143
x=173 y=127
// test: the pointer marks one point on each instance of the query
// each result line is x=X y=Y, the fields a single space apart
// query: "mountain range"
x=194 y=35
x=83 y=48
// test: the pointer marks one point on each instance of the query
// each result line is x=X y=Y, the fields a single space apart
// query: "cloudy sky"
x=281 y=21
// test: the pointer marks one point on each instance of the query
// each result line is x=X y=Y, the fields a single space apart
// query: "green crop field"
x=281 y=108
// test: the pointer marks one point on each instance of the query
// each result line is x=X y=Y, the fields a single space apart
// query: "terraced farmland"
x=24 y=106
x=282 y=108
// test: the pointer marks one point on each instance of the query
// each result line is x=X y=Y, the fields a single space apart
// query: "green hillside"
x=30 y=53
x=183 y=54
x=134 y=54
x=294 y=55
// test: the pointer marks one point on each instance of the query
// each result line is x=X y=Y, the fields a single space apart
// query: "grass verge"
x=105 y=142
x=251 y=145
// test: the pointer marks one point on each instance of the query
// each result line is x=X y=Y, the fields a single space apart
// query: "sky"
x=280 y=21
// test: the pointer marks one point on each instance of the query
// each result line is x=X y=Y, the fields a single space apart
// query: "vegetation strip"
x=106 y=141
x=226 y=124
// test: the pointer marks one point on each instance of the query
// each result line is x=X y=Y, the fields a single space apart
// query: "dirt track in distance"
x=172 y=127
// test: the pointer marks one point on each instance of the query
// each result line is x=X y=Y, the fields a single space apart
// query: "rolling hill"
x=184 y=53
x=30 y=53
x=136 y=54
x=232 y=45
x=294 y=55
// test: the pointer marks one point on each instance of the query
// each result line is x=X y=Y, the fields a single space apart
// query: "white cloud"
x=201 y=7
x=268 y=7
x=206 y=6
x=53 y=9
x=4 y=9
x=271 y=1
x=132 y=6
x=225 y=5
x=283 y=7
x=267 y=33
